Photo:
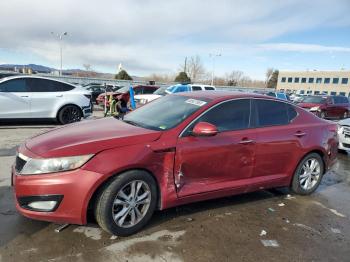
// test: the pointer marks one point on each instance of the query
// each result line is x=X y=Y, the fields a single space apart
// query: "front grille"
x=19 y=164
x=346 y=145
x=346 y=131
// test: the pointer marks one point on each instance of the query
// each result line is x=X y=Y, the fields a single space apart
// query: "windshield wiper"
x=131 y=122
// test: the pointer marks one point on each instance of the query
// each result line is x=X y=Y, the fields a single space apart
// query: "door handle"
x=300 y=134
x=59 y=96
x=24 y=96
x=246 y=142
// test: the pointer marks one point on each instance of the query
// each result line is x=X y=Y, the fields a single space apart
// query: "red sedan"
x=178 y=149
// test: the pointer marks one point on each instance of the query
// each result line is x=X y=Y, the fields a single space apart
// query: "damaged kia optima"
x=175 y=150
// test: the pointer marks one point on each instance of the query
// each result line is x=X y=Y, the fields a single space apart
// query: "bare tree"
x=234 y=78
x=195 y=69
x=268 y=74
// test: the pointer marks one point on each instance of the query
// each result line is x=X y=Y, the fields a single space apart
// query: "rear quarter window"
x=272 y=113
x=209 y=88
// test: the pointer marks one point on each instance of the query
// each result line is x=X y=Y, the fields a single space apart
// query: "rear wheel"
x=127 y=203
x=69 y=114
x=308 y=174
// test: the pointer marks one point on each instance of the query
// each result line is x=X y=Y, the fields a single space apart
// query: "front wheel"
x=127 y=203
x=69 y=114
x=308 y=174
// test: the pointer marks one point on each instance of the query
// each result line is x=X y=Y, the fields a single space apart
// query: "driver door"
x=224 y=161
x=15 y=99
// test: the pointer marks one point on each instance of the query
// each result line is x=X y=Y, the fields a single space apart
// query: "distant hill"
x=35 y=68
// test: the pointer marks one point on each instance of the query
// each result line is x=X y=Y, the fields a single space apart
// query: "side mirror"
x=204 y=129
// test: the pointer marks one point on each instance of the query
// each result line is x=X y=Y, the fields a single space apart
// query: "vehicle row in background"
x=327 y=106
x=124 y=92
x=34 y=97
x=165 y=90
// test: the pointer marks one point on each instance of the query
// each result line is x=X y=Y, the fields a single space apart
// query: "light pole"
x=60 y=37
x=213 y=56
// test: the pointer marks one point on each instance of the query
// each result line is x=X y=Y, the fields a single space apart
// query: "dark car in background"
x=327 y=106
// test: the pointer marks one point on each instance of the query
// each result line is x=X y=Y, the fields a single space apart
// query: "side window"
x=138 y=90
x=181 y=89
x=209 y=88
x=229 y=116
x=337 y=100
x=148 y=90
x=196 y=88
x=292 y=113
x=61 y=87
x=43 y=85
x=15 y=85
x=271 y=113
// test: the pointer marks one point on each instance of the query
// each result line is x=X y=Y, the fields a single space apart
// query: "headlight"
x=143 y=101
x=340 y=129
x=52 y=165
x=315 y=108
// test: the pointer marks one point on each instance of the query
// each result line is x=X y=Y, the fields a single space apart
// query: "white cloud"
x=294 y=47
x=155 y=35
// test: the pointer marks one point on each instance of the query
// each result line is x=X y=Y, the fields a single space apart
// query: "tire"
x=303 y=183
x=69 y=114
x=116 y=201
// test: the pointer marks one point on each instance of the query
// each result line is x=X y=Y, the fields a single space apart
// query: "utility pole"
x=60 y=37
x=185 y=68
x=213 y=56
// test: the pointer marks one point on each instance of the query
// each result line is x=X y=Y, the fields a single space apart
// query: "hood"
x=89 y=137
x=308 y=105
x=344 y=122
x=149 y=97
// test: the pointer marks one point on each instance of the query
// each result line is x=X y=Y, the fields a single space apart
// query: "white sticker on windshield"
x=195 y=102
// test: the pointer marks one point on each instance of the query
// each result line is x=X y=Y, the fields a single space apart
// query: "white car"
x=29 y=97
x=344 y=134
x=165 y=90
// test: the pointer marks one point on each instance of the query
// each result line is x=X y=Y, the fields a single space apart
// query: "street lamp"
x=213 y=56
x=60 y=36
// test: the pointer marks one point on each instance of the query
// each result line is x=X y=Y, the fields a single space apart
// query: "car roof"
x=224 y=95
x=36 y=77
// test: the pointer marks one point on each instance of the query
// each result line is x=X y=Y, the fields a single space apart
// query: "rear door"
x=15 y=99
x=46 y=94
x=277 y=141
x=223 y=161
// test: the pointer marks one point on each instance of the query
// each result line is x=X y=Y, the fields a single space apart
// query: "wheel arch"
x=317 y=151
x=92 y=200
x=68 y=104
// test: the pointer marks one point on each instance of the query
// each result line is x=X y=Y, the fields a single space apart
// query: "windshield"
x=314 y=99
x=161 y=91
x=124 y=89
x=164 y=113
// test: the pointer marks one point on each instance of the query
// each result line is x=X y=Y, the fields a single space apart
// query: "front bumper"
x=87 y=110
x=344 y=141
x=75 y=189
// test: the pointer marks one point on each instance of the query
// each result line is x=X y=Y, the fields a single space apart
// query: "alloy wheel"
x=71 y=114
x=131 y=203
x=310 y=173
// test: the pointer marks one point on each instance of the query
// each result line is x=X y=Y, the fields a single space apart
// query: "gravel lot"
x=265 y=226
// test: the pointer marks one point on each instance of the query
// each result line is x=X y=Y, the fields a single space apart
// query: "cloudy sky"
x=154 y=36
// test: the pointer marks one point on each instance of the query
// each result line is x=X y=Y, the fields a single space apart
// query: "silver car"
x=344 y=134
x=33 y=97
